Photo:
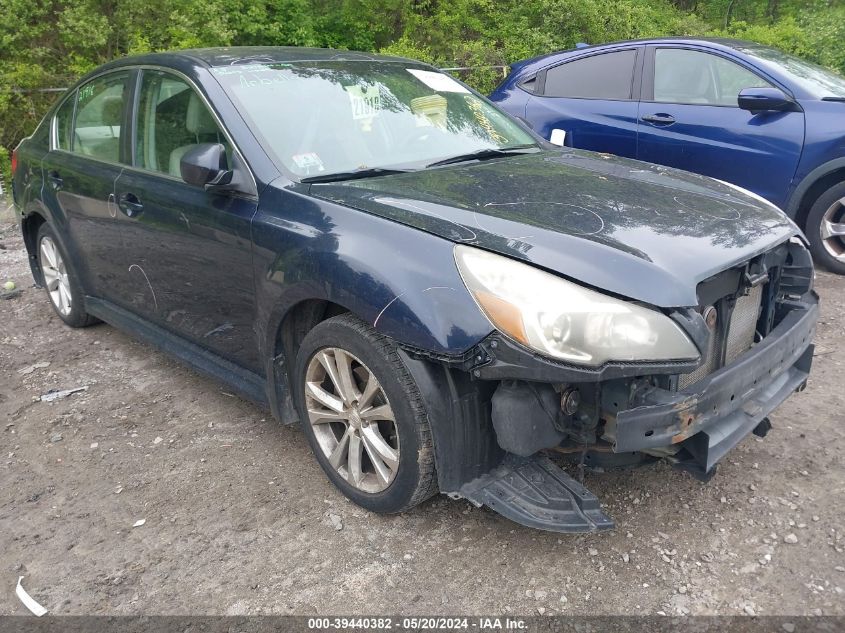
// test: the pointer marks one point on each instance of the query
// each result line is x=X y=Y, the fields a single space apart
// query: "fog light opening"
x=570 y=400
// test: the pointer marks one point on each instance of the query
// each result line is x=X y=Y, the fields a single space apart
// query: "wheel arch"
x=427 y=320
x=811 y=187
x=295 y=323
x=457 y=407
x=30 y=225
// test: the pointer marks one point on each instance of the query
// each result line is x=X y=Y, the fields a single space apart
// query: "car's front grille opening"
x=735 y=339
x=743 y=324
x=750 y=301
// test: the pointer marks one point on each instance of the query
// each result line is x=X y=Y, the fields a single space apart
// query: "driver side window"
x=694 y=77
x=172 y=120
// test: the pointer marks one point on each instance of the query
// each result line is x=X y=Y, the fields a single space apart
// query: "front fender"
x=400 y=280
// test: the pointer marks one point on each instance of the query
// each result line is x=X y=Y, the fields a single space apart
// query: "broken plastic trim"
x=532 y=491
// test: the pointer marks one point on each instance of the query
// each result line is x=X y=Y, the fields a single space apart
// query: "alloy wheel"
x=352 y=419
x=832 y=230
x=55 y=276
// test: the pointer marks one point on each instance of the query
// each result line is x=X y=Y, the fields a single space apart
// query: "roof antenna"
x=582 y=45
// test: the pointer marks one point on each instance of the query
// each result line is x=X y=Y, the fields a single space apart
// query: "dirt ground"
x=239 y=518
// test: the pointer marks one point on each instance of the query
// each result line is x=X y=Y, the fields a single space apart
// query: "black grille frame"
x=763 y=284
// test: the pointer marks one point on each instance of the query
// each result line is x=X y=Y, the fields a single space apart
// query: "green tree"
x=50 y=43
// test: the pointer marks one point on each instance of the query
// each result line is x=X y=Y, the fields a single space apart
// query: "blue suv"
x=737 y=111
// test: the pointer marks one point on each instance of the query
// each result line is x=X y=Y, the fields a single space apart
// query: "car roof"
x=726 y=42
x=233 y=55
x=723 y=43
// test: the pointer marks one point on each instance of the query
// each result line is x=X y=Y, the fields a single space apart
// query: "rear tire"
x=60 y=280
x=383 y=423
x=824 y=223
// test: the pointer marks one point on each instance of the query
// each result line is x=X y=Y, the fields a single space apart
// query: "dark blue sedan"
x=366 y=246
x=737 y=111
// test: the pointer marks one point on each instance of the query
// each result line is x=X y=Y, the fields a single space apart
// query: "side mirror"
x=205 y=165
x=764 y=100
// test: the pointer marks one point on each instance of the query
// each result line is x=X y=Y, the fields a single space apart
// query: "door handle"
x=129 y=204
x=659 y=119
x=55 y=179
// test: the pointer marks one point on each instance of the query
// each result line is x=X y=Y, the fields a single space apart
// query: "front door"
x=689 y=119
x=188 y=250
x=80 y=172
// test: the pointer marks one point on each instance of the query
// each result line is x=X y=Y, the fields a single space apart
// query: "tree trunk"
x=729 y=14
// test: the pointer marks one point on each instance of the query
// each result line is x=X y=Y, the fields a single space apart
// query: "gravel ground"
x=239 y=519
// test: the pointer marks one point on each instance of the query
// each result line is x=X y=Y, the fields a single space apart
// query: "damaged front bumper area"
x=620 y=419
x=709 y=418
x=499 y=413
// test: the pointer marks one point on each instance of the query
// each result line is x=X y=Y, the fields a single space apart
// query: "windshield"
x=818 y=81
x=319 y=118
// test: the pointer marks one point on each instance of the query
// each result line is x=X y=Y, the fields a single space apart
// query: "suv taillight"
x=14 y=161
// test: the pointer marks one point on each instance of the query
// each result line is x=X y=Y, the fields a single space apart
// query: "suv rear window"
x=604 y=76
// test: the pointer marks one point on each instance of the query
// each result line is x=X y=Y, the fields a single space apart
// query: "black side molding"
x=534 y=492
x=248 y=384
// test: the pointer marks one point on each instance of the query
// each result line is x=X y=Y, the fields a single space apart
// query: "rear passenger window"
x=64 y=123
x=605 y=76
x=99 y=115
x=172 y=120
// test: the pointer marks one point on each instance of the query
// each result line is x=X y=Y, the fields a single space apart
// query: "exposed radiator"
x=740 y=337
x=743 y=324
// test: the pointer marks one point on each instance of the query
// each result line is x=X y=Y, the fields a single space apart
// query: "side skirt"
x=246 y=383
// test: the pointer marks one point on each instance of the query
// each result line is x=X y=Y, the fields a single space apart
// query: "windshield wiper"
x=483 y=154
x=368 y=172
x=840 y=99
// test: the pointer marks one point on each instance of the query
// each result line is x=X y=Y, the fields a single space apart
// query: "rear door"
x=689 y=119
x=593 y=99
x=188 y=250
x=80 y=172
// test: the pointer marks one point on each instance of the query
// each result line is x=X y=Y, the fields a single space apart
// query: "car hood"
x=640 y=231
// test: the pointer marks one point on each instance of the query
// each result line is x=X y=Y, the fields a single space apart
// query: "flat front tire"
x=363 y=416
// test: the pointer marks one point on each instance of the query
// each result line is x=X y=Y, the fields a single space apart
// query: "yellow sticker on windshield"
x=431 y=110
x=475 y=105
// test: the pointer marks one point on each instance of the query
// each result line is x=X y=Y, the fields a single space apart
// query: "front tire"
x=363 y=416
x=60 y=280
x=825 y=229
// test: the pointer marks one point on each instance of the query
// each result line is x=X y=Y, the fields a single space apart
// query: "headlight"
x=563 y=320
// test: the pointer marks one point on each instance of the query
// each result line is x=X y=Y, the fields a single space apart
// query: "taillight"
x=14 y=161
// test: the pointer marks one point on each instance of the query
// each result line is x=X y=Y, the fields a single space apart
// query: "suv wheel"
x=60 y=280
x=826 y=229
x=363 y=416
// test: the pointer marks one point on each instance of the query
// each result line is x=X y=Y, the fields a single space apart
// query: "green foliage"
x=493 y=32
x=49 y=43
x=5 y=168
x=816 y=34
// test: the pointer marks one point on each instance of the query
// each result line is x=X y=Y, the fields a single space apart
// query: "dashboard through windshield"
x=321 y=118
